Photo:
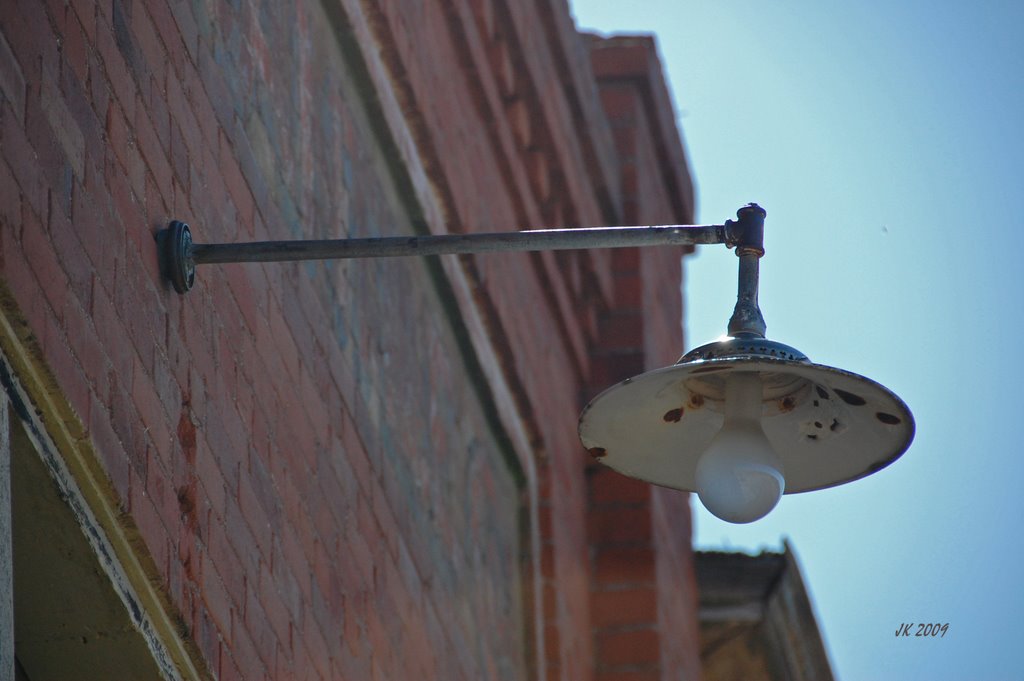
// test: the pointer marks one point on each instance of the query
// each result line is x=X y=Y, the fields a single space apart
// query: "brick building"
x=358 y=470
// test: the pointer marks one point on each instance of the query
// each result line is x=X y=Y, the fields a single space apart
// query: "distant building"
x=756 y=619
x=344 y=470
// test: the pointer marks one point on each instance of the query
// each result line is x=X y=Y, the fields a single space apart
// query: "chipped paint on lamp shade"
x=828 y=426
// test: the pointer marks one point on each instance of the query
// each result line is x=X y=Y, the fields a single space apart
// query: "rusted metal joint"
x=746 y=234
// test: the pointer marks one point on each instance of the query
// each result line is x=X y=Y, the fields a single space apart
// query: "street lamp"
x=740 y=421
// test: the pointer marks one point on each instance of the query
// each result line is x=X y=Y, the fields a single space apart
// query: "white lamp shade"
x=828 y=426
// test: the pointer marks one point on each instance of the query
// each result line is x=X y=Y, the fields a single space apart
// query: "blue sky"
x=885 y=141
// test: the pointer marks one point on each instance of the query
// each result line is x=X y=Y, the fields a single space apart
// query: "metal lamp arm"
x=179 y=255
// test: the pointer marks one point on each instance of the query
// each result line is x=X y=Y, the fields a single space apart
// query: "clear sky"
x=885 y=141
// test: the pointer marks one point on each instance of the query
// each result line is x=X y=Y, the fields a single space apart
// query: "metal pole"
x=179 y=255
x=747 y=319
x=449 y=244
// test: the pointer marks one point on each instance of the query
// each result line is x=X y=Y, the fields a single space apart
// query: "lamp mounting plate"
x=174 y=245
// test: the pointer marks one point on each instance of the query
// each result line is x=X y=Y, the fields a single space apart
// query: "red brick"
x=110 y=451
x=622 y=648
x=124 y=419
x=610 y=487
x=122 y=144
x=233 y=550
x=328 y=599
x=85 y=12
x=127 y=205
x=316 y=647
x=235 y=182
x=388 y=526
x=159 y=113
x=205 y=115
x=153 y=151
x=87 y=348
x=229 y=670
x=75 y=48
x=119 y=79
x=214 y=486
x=151 y=409
x=624 y=566
x=649 y=674
x=358 y=558
x=67 y=371
x=161 y=490
x=204 y=633
x=629 y=292
x=24 y=163
x=622 y=331
x=621 y=524
x=286 y=665
x=146 y=40
x=110 y=330
x=32 y=38
x=615 y=608
x=255 y=623
x=218 y=603
x=182 y=114
x=185 y=24
x=56 y=11
x=39 y=254
x=12 y=80
x=10 y=203
x=247 y=659
x=145 y=515
x=145 y=320
x=275 y=611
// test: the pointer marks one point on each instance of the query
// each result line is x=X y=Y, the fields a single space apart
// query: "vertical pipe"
x=746 y=317
x=749 y=230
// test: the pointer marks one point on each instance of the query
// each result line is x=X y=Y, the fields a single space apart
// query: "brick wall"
x=365 y=469
x=643 y=587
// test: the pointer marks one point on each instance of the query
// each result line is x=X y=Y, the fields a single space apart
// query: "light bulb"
x=739 y=475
